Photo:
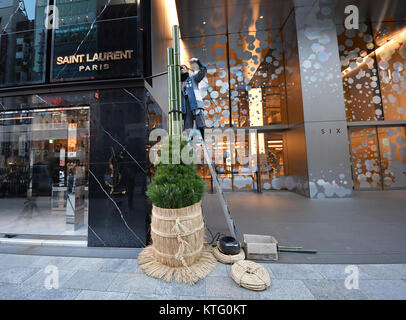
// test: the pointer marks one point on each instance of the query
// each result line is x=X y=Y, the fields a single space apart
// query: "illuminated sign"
x=95 y=61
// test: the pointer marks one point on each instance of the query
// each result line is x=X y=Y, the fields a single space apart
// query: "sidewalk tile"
x=294 y=271
x=88 y=264
x=90 y=280
x=181 y=289
x=221 y=270
x=38 y=279
x=337 y=271
x=139 y=283
x=226 y=287
x=10 y=291
x=121 y=266
x=18 y=260
x=137 y=296
x=384 y=289
x=101 y=295
x=53 y=294
x=59 y=262
x=287 y=290
x=384 y=271
x=21 y=292
x=16 y=275
x=333 y=290
x=210 y=298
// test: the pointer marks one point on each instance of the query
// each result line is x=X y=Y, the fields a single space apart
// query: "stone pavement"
x=23 y=277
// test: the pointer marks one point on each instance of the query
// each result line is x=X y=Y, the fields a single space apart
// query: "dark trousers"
x=189 y=117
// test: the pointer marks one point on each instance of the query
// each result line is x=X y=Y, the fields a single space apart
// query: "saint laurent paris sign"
x=94 y=61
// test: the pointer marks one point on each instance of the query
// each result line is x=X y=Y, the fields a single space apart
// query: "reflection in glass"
x=22 y=42
x=44 y=171
x=84 y=48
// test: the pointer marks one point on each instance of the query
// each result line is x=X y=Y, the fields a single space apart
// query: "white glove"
x=194 y=60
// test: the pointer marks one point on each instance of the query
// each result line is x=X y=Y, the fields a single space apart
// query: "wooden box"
x=259 y=247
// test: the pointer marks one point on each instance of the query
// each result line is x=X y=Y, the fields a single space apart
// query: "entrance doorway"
x=378 y=157
x=44 y=159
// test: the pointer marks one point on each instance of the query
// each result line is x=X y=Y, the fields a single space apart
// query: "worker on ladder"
x=192 y=101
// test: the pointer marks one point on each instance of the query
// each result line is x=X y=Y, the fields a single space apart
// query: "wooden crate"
x=259 y=247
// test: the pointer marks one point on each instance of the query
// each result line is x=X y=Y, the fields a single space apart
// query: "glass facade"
x=373 y=69
x=23 y=41
x=379 y=157
x=44 y=162
x=90 y=40
x=245 y=88
x=57 y=153
x=374 y=80
x=84 y=48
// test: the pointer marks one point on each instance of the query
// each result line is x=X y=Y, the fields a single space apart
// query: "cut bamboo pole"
x=177 y=80
x=171 y=91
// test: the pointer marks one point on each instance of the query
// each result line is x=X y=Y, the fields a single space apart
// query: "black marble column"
x=118 y=217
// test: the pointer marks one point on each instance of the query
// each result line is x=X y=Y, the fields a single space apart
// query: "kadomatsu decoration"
x=178 y=251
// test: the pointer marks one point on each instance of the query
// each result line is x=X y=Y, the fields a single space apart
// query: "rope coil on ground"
x=250 y=275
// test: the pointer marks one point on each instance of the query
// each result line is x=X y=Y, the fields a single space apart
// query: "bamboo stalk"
x=297 y=250
x=288 y=247
x=170 y=91
x=177 y=79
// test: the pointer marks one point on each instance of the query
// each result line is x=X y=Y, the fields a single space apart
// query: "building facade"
x=321 y=106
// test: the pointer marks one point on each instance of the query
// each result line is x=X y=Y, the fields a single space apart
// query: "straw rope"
x=250 y=275
x=172 y=235
x=173 y=255
x=176 y=218
x=178 y=251
x=226 y=258
x=199 y=270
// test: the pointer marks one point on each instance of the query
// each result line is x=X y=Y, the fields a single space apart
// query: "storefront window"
x=44 y=171
x=392 y=142
x=379 y=154
x=365 y=158
x=22 y=42
x=272 y=160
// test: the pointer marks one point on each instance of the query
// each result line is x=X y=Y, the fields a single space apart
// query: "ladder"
x=229 y=219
